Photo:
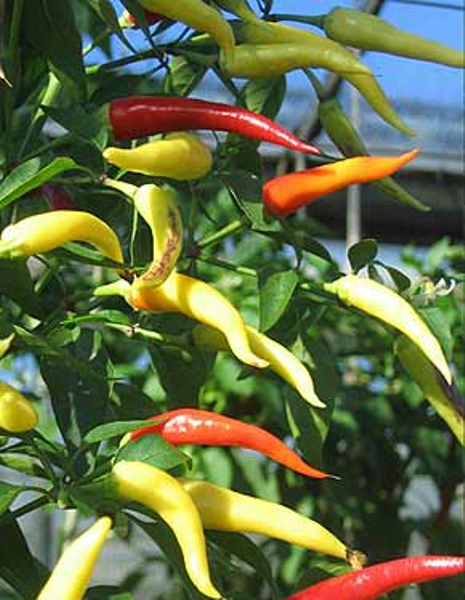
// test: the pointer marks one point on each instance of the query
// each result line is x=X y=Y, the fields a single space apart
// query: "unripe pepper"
x=436 y=390
x=140 y=116
x=377 y=580
x=285 y=194
x=196 y=14
x=162 y=493
x=180 y=156
x=71 y=575
x=281 y=360
x=44 y=232
x=197 y=300
x=369 y=32
x=379 y=301
x=194 y=426
x=17 y=414
x=157 y=206
x=295 y=48
x=225 y=510
x=346 y=138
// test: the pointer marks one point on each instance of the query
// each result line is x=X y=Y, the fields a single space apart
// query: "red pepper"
x=150 y=17
x=286 y=194
x=140 y=116
x=194 y=426
x=58 y=197
x=372 y=582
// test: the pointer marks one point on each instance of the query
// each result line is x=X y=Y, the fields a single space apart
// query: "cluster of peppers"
x=190 y=506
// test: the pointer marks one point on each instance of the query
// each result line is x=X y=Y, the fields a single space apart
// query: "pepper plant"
x=183 y=359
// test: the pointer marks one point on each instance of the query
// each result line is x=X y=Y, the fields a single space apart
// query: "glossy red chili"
x=140 y=116
x=194 y=426
x=375 y=581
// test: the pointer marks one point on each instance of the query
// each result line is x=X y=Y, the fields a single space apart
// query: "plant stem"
x=155 y=336
x=217 y=236
x=317 y=20
x=308 y=287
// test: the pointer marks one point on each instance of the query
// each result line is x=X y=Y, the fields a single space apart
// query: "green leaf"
x=129 y=402
x=22 y=464
x=181 y=374
x=308 y=425
x=17 y=565
x=79 y=398
x=183 y=76
x=275 y=291
x=440 y=326
x=248 y=552
x=103 y=316
x=7 y=335
x=49 y=27
x=93 y=126
x=117 y=428
x=29 y=175
x=362 y=253
x=16 y=284
x=401 y=280
x=245 y=189
x=109 y=17
x=265 y=95
x=8 y=494
x=107 y=592
x=154 y=450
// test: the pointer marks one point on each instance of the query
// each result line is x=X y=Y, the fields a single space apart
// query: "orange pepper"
x=287 y=193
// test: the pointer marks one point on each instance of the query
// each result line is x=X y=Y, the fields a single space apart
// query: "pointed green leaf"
x=154 y=450
x=8 y=494
x=275 y=290
x=29 y=175
x=362 y=253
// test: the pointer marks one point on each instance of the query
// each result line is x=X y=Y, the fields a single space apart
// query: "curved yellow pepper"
x=46 y=231
x=281 y=360
x=225 y=510
x=157 y=206
x=159 y=491
x=386 y=305
x=71 y=575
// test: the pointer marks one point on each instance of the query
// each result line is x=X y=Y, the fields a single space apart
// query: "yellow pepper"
x=225 y=510
x=44 y=232
x=281 y=360
x=181 y=156
x=71 y=575
x=162 y=493
x=157 y=206
x=197 y=300
x=17 y=414
x=386 y=305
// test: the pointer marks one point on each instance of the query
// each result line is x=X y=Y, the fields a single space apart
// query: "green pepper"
x=368 y=32
x=272 y=49
x=437 y=391
x=346 y=138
